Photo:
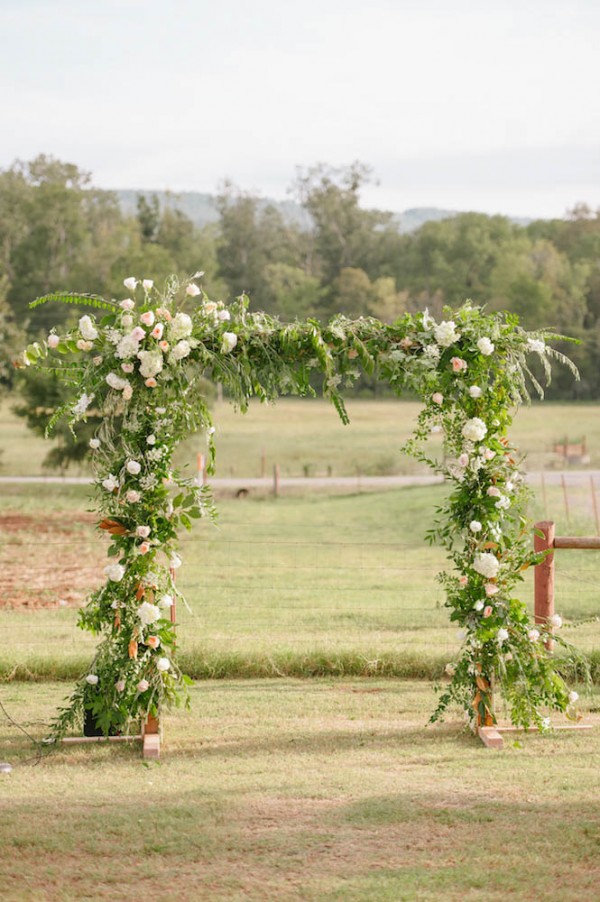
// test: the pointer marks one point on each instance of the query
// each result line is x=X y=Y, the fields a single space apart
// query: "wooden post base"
x=492 y=736
x=151 y=738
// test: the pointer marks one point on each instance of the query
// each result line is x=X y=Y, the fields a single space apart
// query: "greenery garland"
x=142 y=366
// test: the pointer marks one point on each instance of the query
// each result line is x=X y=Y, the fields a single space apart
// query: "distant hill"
x=201 y=209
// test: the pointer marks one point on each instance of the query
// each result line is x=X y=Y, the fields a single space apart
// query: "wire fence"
x=262 y=592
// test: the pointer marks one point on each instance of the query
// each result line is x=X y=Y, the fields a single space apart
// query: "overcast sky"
x=491 y=105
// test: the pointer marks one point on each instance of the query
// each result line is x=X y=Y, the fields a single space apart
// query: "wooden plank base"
x=151 y=747
x=492 y=736
x=79 y=740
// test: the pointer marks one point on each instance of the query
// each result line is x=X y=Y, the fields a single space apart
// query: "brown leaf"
x=114 y=527
x=133 y=649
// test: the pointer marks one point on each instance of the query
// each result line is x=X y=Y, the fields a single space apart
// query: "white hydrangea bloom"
x=151 y=363
x=486 y=564
x=127 y=347
x=181 y=350
x=180 y=326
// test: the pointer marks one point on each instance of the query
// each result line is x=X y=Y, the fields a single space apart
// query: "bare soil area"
x=49 y=561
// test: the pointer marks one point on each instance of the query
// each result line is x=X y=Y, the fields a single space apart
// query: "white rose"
x=120 y=686
x=151 y=363
x=143 y=532
x=180 y=326
x=127 y=304
x=132 y=497
x=502 y=635
x=503 y=503
x=475 y=526
x=475 y=391
x=192 y=290
x=181 y=350
x=163 y=664
x=151 y=440
x=450 y=670
x=92 y=679
x=142 y=685
x=53 y=340
x=147 y=284
x=224 y=316
x=130 y=283
x=479 y=605
x=94 y=444
x=573 y=697
x=446 y=334
x=115 y=572
x=486 y=564
x=486 y=347
x=474 y=430
x=133 y=467
x=148 y=613
x=555 y=621
x=166 y=601
x=87 y=328
x=175 y=562
x=533 y=635
x=230 y=340
x=84 y=345
x=110 y=483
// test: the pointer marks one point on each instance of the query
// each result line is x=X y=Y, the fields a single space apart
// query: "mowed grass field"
x=317 y=790
x=307 y=437
x=305 y=585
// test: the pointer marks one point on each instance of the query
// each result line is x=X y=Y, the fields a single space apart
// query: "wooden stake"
x=595 y=505
x=566 y=497
x=276 y=480
x=263 y=463
x=544 y=496
x=544 y=574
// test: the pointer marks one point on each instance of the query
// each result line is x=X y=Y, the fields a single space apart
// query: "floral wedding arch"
x=141 y=365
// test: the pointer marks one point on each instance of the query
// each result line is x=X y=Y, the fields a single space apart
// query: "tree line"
x=58 y=231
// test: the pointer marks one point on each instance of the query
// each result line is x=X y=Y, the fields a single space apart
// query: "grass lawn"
x=297 y=586
x=307 y=437
x=315 y=790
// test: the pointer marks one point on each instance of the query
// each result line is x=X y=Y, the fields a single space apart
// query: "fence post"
x=276 y=480
x=544 y=574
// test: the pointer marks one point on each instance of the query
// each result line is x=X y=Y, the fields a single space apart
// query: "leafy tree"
x=251 y=237
x=290 y=292
x=345 y=236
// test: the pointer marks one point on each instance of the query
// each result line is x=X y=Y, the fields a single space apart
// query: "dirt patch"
x=49 y=561
x=48 y=523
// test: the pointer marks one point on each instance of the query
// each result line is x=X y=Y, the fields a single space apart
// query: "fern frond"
x=71 y=297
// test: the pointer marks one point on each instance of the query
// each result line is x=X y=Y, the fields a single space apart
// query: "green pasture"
x=296 y=586
x=307 y=437
x=316 y=790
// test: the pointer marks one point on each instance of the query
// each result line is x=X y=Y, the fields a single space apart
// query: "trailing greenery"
x=140 y=369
